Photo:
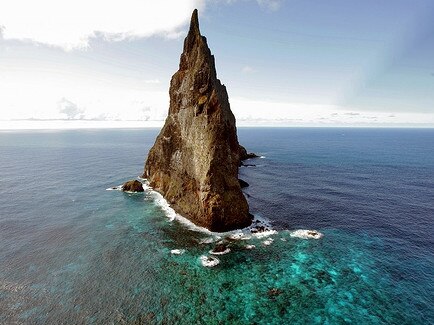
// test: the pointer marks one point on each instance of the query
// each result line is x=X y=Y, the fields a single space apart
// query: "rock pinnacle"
x=194 y=161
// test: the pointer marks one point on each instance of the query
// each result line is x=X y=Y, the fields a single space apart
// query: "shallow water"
x=74 y=253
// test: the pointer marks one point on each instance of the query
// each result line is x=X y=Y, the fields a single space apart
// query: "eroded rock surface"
x=194 y=161
x=132 y=186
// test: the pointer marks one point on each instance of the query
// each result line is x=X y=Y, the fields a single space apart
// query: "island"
x=195 y=159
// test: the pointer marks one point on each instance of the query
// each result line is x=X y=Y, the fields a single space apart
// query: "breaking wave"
x=209 y=261
x=177 y=251
x=306 y=234
x=260 y=227
x=169 y=211
x=227 y=250
x=114 y=188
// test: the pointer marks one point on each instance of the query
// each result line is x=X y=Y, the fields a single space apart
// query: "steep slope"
x=194 y=161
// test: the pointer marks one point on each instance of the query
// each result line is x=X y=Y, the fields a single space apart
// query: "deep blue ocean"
x=72 y=252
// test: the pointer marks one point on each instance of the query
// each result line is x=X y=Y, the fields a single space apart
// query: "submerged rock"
x=220 y=249
x=258 y=228
x=273 y=292
x=194 y=161
x=132 y=186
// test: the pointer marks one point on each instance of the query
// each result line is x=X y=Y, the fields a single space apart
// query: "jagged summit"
x=194 y=161
x=194 y=24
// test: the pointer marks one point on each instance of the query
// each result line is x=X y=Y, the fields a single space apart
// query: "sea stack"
x=194 y=161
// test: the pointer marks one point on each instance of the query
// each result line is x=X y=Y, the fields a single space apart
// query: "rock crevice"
x=194 y=161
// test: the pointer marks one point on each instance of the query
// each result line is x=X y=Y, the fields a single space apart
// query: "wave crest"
x=306 y=234
x=209 y=261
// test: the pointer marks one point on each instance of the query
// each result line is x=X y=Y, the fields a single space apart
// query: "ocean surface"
x=72 y=252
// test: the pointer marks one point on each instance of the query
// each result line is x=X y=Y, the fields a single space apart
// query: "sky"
x=284 y=63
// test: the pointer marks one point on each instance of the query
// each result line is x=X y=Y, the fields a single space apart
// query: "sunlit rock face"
x=194 y=161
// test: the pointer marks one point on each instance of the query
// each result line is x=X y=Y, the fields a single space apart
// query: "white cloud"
x=272 y=5
x=49 y=95
x=70 y=24
x=268 y=113
x=70 y=109
x=247 y=69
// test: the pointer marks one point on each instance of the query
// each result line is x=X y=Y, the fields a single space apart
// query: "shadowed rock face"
x=132 y=186
x=194 y=161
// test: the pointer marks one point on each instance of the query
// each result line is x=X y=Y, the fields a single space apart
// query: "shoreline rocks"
x=243 y=184
x=244 y=155
x=132 y=186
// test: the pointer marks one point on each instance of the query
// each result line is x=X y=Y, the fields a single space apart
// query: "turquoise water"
x=74 y=253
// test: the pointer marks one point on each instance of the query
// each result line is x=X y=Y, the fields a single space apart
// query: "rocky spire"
x=194 y=25
x=194 y=161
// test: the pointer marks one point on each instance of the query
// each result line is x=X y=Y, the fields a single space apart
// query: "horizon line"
x=65 y=124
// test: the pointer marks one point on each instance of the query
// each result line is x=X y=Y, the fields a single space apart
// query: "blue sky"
x=308 y=63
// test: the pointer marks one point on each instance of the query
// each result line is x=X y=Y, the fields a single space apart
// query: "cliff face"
x=194 y=161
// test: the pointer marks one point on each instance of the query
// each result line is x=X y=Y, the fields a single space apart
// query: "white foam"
x=209 y=240
x=114 y=188
x=268 y=241
x=264 y=234
x=239 y=235
x=170 y=212
x=306 y=234
x=227 y=250
x=209 y=261
x=236 y=235
x=177 y=251
x=261 y=227
x=119 y=188
x=162 y=203
x=243 y=234
x=249 y=246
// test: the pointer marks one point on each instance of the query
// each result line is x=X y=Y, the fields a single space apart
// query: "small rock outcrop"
x=243 y=184
x=132 y=186
x=244 y=155
x=194 y=161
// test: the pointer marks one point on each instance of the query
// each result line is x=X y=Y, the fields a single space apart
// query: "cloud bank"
x=70 y=109
x=70 y=24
